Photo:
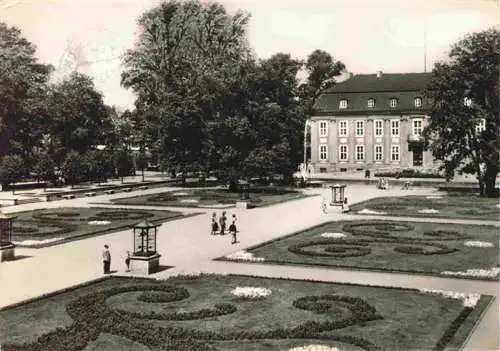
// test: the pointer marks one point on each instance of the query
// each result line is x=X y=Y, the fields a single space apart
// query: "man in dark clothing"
x=106 y=259
x=222 y=222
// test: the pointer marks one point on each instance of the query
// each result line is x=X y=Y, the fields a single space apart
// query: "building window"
x=343 y=152
x=418 y=102
x=379 y=127
x=323 y=152
x=379 y=155
x=481 y=125
x=360 y=152
x=395 y=127
x=343 y=103
x=371 y=103
x=417 y=127
x=393 y=102
x=394 y=152
x=343 y=128
x=360 y=128
x=323 y=128
x=467 y=101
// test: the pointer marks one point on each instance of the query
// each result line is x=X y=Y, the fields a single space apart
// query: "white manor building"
x=371 y=122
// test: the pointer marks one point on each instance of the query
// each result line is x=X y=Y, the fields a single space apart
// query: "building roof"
x=386 y=82
x=357 y=90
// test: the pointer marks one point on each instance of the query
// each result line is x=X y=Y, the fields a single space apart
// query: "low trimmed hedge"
x=452 y=329
x=442 y=250
x=408 y=173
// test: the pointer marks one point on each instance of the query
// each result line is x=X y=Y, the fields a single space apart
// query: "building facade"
x=371 y=122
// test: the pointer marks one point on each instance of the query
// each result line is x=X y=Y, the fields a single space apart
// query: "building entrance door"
x=418 y=157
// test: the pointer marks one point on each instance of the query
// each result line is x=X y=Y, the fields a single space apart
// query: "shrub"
x=413 y=250
x=164 y=296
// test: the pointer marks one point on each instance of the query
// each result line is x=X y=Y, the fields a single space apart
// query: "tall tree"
x=22 y=91
x=322 y=69
x=187 y=57
x=78 y=114
x=464 y=93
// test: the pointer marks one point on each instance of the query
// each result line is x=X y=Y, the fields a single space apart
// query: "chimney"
x=379 y=74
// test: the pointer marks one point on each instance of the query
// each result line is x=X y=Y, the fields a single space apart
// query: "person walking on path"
x=323 y=204
x=127 y=261
x=106 y=259
x=215 y=225
x=222 y=222
x=233 y=230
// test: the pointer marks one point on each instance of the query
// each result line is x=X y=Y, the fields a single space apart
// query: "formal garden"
x=446 y=250
x=451 y=205
x=213 y=312
x=215 y=198
x=46 y=227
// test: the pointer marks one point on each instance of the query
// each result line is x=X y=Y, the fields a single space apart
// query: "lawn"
x=450 y=206
x=40 y=228
x=214 y=198
x=203 y=313
x=425 y=248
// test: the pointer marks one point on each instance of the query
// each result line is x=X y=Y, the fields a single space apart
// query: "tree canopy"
x=464 y=93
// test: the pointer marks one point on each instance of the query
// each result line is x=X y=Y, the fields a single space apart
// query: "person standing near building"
x=127 y=261
x=106 y=259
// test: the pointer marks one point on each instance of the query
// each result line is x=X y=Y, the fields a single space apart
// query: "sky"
x=366 y=35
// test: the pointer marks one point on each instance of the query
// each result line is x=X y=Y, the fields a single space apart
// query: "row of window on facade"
x=393 y=102
x=359 y=154
x=378 y=127
x=371 y=102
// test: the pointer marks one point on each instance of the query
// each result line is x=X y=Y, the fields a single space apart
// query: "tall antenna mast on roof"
x=425 y=47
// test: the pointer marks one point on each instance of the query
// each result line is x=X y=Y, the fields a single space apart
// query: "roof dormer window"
x=371 y=103
x=393 y=102
x=417 y=102
x=467 y=101
x=343 y=103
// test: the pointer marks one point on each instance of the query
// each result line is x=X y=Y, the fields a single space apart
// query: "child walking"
x=215 y=225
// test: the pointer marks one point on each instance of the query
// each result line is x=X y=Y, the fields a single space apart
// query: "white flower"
x=314 y=348
x=428 y=210
x=99 y=222
x=216 y=206
x=36 y=242
x=250 y=292
x=468 y=299
x=434 y=197
x=189 y=200
x=333 y=235
x=244 y=256
x=368 y=211
x=475 y=272
x=478 y=244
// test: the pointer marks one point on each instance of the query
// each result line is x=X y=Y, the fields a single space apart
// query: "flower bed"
x=251 y=293
x=215 y=197
x=461 y=206
x=478 y=244
x=41 y=228
x=305 y=312
x=475 y=273
x=394 y=246
x=314 y=348
x=244 y=256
